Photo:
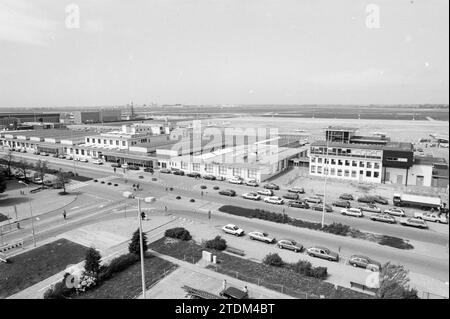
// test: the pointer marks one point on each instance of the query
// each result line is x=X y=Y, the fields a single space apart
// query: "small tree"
x=134 y=247
x=273 y=260
x=42 y=169
x=92 y=261
x=24 y=167
x=217 y=243
x=62 y=180
x=394 y=283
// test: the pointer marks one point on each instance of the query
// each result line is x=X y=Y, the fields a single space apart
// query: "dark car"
x=366 y=199
x=227 y=192
x=233 y=293
x=342 y=203
x=319 y=207
x=195 y=175
x=148 y=170
x=133 y=167
x=298 y=204
x=346 y=197
x=381 y=200
x=272 y=186
x=364 y=262
x=298 y=190
x=209 y=177
x=290 y=245
x=178 y=172
x=293 y=196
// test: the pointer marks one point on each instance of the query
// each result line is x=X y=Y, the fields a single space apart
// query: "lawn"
x=127 y=283
x=270 y=277
x=183 y=250
x=31 y=267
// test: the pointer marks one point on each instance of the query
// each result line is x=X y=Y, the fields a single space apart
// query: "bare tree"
x=24 y=167
x=9 y=157
x=62 y=180
x=42 y=169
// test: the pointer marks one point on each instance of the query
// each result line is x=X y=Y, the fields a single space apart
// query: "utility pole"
x=325 y=171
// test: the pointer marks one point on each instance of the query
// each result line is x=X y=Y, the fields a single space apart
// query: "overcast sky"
x=223 y=52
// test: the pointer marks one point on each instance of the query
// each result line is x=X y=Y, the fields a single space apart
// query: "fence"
x=429 y=295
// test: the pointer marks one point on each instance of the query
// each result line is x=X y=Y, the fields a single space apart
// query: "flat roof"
x=59 y=134
x=342 y=128
x=347 y=145
x=428 y=160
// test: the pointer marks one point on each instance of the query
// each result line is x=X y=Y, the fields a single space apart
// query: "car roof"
x=287 y=239
x=320 y=247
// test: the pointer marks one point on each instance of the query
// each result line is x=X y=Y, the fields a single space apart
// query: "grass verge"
x=29 y=268
x=183 y=250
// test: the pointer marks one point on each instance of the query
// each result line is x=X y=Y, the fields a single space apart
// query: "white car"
x=356 y=212
x=125 y=165
x=84 y=160
x=274 y=200
x=251 y=182
x=233 y=230
x=432 y=217
x=395 y=212
x=265 y=192
x=251 y=195
x=256 y=235
x=414 y=222
x=97 y=162
x=37 y=180
x=235 y=180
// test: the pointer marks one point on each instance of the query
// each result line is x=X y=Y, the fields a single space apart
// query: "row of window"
x=105 y=142
x=222 y=170
x=333 y=161
x=340 y=172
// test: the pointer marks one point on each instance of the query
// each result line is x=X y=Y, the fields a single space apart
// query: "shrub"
x=178 y=197
x=302 y=267
x=95 y=180
x=116 y=184
x=216 y=187
x=217 y=243
x=92 y=261
x=318 y=272
x=192 y=200
x=59 y=290
x=141 y=177
x=203 y=187
x=337 y=229
x=109 y=183
x=103 y=182
x=273 y=259
x=154 y=179
x=134 y=247
x=120 y=263
x=394 y=242
x=178 y=233
x=170 y=188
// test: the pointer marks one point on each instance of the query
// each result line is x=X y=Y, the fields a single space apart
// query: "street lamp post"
x=141 y=242
x=325 y=171
x=31 y=212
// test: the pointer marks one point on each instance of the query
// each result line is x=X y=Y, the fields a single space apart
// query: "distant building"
x=90 y=117
x=12 y=120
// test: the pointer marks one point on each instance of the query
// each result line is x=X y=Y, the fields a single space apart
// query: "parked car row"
x=314 y=251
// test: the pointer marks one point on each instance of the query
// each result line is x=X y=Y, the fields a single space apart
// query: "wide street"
x=110 y=204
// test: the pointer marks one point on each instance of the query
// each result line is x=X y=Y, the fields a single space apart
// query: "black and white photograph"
x=221 y=158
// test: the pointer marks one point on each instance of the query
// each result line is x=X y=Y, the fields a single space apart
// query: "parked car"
x=271 y=186
x=432 y=217
x=313 y=200
x=298 y=204
x=227 y=192
x=395 y=211
x=61 y=156
x=366 y=199
x=251 y=182
x=356 y=212
x=133 y=167
x=380 y=200
x=322 y=252
x=117 y=165
x=178 y=172
x=84 y=160
x=384 y=218
x=252 y=195
x=265 y=192
x=297 y=190
x=346 y=196
x=69 y=157
x=293 y=196
x=364 y=262
x=97 y=162
x=290 y=245
x=256 y=235
x=414 y=222
x=235 y=180
x=233 y=230
x=37 y=180
x=149 y=170
x=342 y=203
x=166 y=171
x=319 y=207
x=370 y=208
x=274 y=200
x=125 y=165
x=209 y=177
x=53 y=155
x=233 y=293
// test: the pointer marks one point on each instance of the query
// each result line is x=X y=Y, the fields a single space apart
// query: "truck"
x=420 y=201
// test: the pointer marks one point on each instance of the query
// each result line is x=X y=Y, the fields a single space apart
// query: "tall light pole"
x=31 y=212
x=141 y=242
x=325 y=171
